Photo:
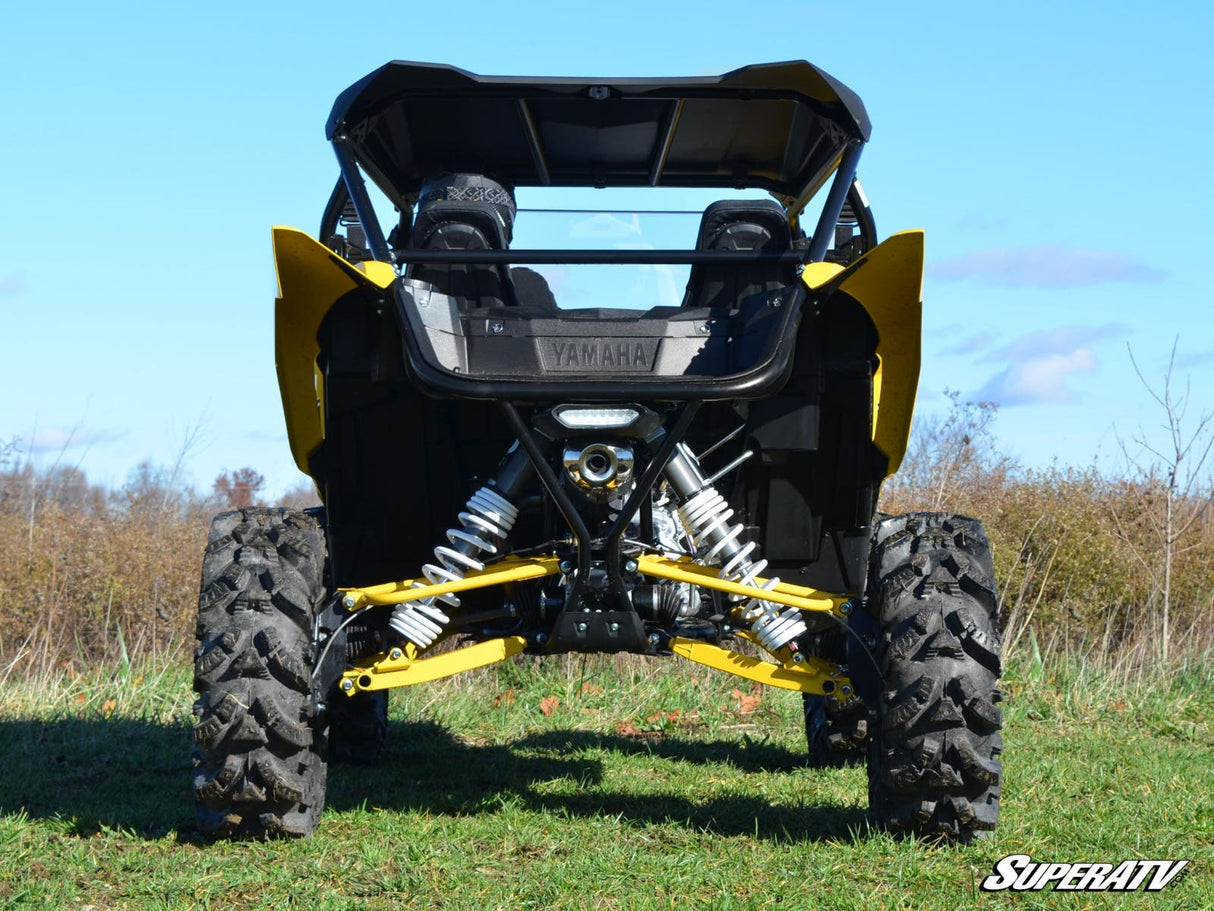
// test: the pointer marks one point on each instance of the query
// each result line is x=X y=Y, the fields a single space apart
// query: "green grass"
x=644 y=786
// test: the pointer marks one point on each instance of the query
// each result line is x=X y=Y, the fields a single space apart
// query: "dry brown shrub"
x=90 y=577
x=85 y=585
x=1076 y=551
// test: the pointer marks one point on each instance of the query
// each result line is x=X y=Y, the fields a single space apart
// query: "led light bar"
x=579 y=417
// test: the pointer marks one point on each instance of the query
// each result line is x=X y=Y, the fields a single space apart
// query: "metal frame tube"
x=596 y=257
x=553 y=485
x=825 y=230
x=362 y=202
x=672 y=124
x=533 y=142
x=674 y=435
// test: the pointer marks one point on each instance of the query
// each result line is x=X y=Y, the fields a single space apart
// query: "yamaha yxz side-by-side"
x=511 y=462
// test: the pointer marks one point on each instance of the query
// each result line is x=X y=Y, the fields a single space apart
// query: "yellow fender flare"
x=888 y=283
x=311 y=279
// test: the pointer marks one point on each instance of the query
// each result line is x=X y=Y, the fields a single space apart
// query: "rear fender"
x=311 y=279
x=888 y=283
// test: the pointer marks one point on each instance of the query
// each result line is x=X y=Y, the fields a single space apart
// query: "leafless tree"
x=947 y=451
x=1174 y=492
x=239 y=488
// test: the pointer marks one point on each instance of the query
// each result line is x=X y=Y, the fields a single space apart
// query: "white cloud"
x=266 y=436
x=1037 y=366
x=972 y=345
x=1199 y=359
x=1059 y=340
x=1041 y=379
x=669 y=293
x=57 y=439
x=1044 y=266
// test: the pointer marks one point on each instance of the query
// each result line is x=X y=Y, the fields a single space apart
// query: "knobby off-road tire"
x=934 y=767
x=260 y=744
x=836 y=729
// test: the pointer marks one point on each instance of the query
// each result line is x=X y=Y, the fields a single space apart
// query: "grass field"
x=596 y=783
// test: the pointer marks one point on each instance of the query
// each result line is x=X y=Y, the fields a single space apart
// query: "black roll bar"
x=819 y=244
x=362 y=202
x=596 y=257
x=824 y=233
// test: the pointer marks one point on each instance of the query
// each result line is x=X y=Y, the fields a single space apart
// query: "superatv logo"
x=603 y=354
x=1021 y=873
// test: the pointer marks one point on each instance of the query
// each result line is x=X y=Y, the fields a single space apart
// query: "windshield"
x=615 y=219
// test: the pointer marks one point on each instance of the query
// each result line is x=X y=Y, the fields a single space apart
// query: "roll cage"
x=782 y=127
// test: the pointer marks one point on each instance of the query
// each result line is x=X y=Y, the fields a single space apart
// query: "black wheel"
x=934 y=765
x=836 y=729
x=260 y=746
x=358 y=726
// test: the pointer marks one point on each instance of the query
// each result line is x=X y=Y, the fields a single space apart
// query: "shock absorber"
x=705 y=515
x=487 y=516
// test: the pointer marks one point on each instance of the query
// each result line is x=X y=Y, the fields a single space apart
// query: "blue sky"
x=1058 y=155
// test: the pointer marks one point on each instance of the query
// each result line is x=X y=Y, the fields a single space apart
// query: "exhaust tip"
x=599 y=467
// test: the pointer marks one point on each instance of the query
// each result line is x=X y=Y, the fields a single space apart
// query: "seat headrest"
x=744 y=224
x=471 y=192
x=457 y=226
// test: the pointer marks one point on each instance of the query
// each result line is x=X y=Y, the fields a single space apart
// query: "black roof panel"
x=779 y=127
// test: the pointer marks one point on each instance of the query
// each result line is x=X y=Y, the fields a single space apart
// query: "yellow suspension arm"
x=800 y=672
x=511 y=569
x=401 y=668
x=796 y=672
x=514 y=569
x=683 y=570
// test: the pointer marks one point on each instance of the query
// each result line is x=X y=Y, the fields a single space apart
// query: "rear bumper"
x=524 y=355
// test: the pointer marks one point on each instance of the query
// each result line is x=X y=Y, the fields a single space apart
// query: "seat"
x=531 y=290
x=472 y=212
x=734 y=225
x=465 y=212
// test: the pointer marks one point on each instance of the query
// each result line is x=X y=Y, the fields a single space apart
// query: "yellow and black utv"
x=511 y=462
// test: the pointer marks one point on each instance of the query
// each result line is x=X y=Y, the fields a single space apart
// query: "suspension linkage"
x=685 y=570
x=509 y=569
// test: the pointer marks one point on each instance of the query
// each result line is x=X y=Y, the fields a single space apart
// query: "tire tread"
x=933 y=758
x=260 y=757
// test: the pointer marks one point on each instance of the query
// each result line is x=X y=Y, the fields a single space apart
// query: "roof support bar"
x=672 y=124
x=825 y=231
x=533 y=142
x=362 y=202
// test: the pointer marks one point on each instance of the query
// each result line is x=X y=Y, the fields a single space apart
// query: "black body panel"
x=397 y=465
x=812 y=491
x=781 y=127
x=534 y=355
